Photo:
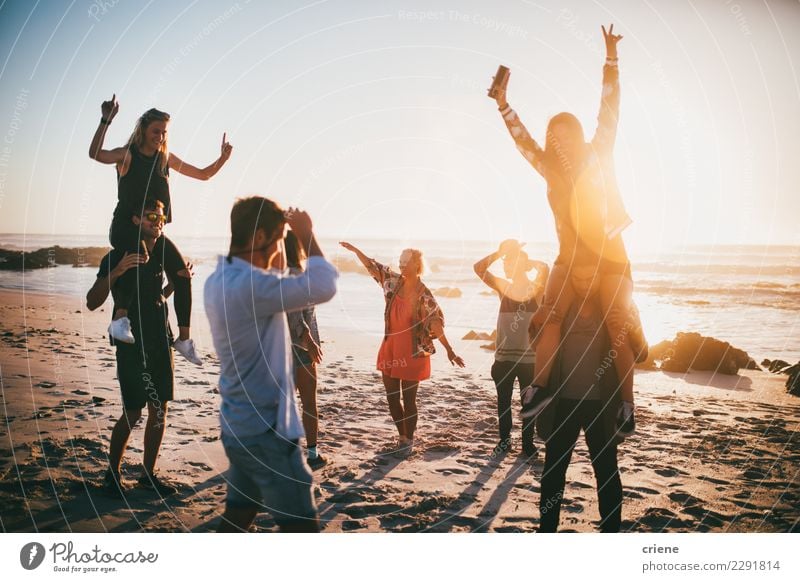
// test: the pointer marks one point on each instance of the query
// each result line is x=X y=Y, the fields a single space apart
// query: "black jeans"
x=570 y=417
x=125 y=236
x=504 y=374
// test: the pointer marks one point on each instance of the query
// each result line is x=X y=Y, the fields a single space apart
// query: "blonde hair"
x=137 y=137
x=416 y=254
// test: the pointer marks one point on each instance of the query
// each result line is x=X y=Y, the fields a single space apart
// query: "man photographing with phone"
x=246 y=302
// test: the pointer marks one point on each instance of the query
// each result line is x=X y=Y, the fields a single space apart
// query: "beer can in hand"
x=500 y=81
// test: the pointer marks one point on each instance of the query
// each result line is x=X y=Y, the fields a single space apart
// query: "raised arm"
x=608 y=118
x=273 y=293
x=525 y=143
x=365 y=260
x=481 y=269
x=209 y=171
x=377 y=271
x=108 y=111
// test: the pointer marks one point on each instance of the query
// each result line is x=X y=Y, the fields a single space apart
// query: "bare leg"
x=615 y=293
x=557 y=299
x=153 y=434
x=237 y=519
x=392 y=386
x=410 y=406
x=306 y=380
x=120 y=435
x=120 y=313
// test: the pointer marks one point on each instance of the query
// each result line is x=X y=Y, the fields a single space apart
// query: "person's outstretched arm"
x=209 y=171
x=525 y=143
x=365 y=260
x=108 y=110
x=608 y=118
x=377 y=271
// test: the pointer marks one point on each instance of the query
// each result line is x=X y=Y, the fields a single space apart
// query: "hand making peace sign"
x=611 y=41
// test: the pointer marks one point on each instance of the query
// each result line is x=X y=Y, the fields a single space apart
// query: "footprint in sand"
x=657 y=519
x=685 y=499
x=714 y=480
x=645 y=490
x=451 y=471
x=755 y=475
x=670 y=472
x=633 y=495
x=572 y=507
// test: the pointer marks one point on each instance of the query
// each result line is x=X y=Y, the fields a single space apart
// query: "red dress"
x=394 y=357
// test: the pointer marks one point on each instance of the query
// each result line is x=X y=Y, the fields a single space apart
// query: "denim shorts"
x=269 y=473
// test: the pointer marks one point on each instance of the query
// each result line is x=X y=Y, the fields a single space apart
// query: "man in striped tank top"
x=514 y=357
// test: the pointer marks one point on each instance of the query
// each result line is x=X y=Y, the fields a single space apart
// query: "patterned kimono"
x=426 y=311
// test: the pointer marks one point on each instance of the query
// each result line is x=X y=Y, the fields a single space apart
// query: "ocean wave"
x=789 y=270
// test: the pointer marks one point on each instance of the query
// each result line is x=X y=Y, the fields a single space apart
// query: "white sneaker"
x=187 y=350
x=120 y=330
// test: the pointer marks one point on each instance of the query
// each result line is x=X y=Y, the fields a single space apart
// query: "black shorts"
x=144 y=378
x=301 y=358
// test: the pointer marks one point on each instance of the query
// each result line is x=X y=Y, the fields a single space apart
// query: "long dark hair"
x=294 y=255
x=555 y=157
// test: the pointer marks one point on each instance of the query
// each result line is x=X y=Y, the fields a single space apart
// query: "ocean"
x=747 y=295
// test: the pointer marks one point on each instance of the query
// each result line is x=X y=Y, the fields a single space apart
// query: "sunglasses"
x=155 y=218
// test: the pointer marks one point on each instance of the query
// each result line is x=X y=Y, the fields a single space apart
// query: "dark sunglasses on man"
x=155 y=218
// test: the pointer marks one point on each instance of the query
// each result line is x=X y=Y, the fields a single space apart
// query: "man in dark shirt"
x=587 y=397
x=145 y=368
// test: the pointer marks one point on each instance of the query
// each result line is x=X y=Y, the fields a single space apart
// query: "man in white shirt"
x=245 y=302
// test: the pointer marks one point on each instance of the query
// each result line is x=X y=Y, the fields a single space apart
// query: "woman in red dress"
x=412 y=320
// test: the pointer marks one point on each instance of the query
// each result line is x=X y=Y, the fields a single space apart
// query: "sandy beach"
x=712 y=453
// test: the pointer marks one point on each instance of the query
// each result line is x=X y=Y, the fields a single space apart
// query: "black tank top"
x=144 y=179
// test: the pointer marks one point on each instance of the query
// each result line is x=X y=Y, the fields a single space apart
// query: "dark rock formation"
x=50 y=257
x=692 y=351
x=775 y=365
x=793 y=381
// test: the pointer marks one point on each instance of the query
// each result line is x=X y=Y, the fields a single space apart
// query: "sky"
x=374 y=117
